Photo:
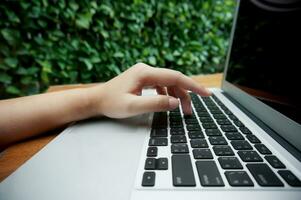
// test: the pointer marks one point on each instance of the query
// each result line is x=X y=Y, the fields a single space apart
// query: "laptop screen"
x=265 y=58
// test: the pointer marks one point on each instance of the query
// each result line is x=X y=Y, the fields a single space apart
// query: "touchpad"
x=94 y=159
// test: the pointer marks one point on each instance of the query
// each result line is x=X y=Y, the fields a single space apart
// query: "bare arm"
x=118 y=98
x=27 y=116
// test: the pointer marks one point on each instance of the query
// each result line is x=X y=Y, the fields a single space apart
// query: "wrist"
x=94 y=100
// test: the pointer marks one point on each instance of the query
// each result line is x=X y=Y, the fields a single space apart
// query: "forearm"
x=118 y=98
x=28 y=116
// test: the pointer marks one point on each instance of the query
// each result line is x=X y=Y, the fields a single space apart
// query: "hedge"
x=45 y=43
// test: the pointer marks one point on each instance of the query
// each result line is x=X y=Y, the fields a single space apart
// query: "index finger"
x=168 y=77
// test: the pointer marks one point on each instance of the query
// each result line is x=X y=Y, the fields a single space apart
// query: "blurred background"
x=45 y=42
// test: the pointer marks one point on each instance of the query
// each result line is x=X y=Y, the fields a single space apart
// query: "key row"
x=210 y=176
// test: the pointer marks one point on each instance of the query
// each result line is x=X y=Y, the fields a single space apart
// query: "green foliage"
x=44 y=43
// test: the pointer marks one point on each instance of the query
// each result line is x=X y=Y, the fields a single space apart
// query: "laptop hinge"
x=284 y=143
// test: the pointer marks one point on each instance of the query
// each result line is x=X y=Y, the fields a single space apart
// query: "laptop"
x=243 y=142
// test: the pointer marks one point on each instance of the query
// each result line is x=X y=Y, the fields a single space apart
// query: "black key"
x=192 y=116
x=159 y=120
x=176 y=110
x=193 y=127
x=274 y=161
x=210 y=104
x=228 y=112
x=223 y=122
x=178 y=124
x=162 y=164
x=178 y=139
x=160 y=115
x=234 y=136
x=209 y=174
x=212 y=107
x=202 y=154
x=148 y=179
x=206 y=119
x=159 y=132
x=209 y=125
x=223 y=151
x=157 y=142
x=195 y=134
x=177 y=131
x=216 y=111
x=213 y=132
x=203 y=114
x=238 y=123
x=262 y=149
x=238 y=178
x=191 y=122
x=179 y=148
x=233 y=117
x=241 y=145
x=263 y=175
x=152 y=151
x=253 y=139
x=150 y=164
x=177 y=119
x=219 y=116
x=228 y=128
x=290 y=178
x=175 y=115
x=199 y=107
x=182 y=173
x=229 y=163
x=198 y=143
x=245 y=130
x=249 y=156
x=217 y=140
x=223 y=106
x=206 y=99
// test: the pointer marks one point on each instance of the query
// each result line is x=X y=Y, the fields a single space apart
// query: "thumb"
x=156 y=103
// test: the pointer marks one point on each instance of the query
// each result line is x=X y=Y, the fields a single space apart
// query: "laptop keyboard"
x=211 y=131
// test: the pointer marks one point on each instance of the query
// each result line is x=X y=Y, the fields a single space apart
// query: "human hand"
x=121 y=96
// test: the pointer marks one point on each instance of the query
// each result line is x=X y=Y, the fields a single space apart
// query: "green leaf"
x=5 y=78
x=84 y=20
x=104 y=33
x=44 y=77
x=88 y=64
x=107 y=10
x=169 y=57
x=46 y=66
x=11 y=62
x=95 y=59
x=13 y=90
x=118 y=55
x=152 y=60
x=74 y=6
x=11 y=36
x=12 y=16
x=26 y=80
x=4 y=67
x=114 y=68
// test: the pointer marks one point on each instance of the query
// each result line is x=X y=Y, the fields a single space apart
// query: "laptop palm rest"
x=88 y=160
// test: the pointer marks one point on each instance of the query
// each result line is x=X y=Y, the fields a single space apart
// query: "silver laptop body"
x=109 y=159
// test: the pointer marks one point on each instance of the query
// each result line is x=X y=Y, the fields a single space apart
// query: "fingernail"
x=209 y=92
x=173 y=103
